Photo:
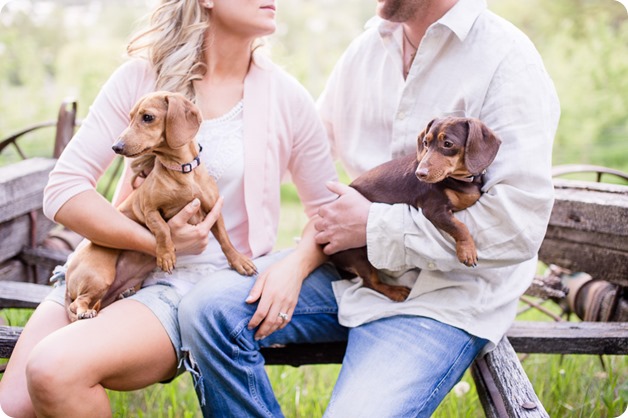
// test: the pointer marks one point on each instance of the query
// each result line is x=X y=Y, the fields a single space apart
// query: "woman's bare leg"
x=14 y=397
x=124 y=348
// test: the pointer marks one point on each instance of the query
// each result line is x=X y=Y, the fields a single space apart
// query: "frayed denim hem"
x=187 y=360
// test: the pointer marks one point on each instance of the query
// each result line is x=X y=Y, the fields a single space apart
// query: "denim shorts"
x=160 y=296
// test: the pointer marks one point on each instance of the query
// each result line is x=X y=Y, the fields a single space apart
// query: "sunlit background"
x=53 y=49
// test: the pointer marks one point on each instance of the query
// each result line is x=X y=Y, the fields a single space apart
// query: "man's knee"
x=214 y=308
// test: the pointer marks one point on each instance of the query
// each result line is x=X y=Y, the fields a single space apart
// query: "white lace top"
x=221 y=139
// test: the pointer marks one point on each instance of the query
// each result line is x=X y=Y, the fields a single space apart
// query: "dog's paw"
x=397 y=293
x=243 y=265
x=87 y=314
x=469 y=261
x=467 y=254
x=246 y=267
x=166 y=262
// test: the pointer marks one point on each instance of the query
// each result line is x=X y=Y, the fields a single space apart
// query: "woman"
x=259 y=124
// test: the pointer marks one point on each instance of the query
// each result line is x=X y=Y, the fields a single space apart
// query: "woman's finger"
x=214 y=214
x=186 y=213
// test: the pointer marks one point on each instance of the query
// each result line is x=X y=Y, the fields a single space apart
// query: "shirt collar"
x=459 y=19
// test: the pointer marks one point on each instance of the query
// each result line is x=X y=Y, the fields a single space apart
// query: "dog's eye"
x=425 y=143
x=448 y=144
x=148 y=118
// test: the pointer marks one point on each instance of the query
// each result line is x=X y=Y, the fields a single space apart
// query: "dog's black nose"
x=118 y=147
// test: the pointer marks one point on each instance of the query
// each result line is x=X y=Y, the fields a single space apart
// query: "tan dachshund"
x=163 y=124
x=443 y=177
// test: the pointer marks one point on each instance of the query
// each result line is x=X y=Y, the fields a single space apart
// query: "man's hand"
x=342 y=223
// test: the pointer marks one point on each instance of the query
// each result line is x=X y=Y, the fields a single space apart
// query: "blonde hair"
x=173 y=44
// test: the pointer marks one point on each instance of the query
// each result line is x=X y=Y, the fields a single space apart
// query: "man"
x=423 y=59
x=418 y=60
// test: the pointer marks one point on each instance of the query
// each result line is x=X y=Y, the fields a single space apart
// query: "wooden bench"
x=587 y=216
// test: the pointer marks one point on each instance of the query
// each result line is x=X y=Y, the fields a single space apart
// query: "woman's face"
x=246 y=18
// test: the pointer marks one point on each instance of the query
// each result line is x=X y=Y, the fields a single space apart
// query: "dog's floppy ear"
x=481 y=147
x=182 y=120
x=422 y=136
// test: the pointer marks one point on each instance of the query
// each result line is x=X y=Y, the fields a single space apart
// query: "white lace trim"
x=229 y=115
x=222 y=141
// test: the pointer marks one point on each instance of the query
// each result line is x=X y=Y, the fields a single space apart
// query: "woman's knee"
x=49 y=372
x=15 y=402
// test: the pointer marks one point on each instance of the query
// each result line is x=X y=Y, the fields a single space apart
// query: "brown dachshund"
x=445 y=176
x=164 y=124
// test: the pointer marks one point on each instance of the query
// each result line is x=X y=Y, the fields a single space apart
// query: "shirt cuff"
x=385 y=236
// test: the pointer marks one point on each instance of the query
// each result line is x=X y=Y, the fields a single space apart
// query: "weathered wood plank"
x=569 y=337
x=22 y=186
x=588 y=230
x=15 y=270
x=599 y=262
x=21 y=194
x=17 y=233
x=44 y=256
x=8 y=338
x=22 y=295
x=586 y=206
x=503 y=386
x=525 y=337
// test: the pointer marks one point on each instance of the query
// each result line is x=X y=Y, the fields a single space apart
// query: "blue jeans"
x=401 y=366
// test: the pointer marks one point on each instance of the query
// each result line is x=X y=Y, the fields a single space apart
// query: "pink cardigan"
x=282 y=135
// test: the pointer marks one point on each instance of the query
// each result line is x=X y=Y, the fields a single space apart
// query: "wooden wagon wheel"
x=599 y=171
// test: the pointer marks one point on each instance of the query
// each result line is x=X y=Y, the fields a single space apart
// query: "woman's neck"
x=227 y=59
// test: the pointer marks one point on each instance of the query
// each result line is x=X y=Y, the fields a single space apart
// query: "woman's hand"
x=277 y=290
x=193 y=239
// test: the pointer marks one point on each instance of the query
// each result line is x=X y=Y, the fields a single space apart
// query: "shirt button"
x=431 y=265
x=401 y=115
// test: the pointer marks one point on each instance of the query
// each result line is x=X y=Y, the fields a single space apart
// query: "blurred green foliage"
x=584 y=45
x=51 y=50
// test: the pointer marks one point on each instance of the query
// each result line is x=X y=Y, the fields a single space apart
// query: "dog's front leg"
x=237 y=261
x=166 y=257
x=209 y=193
x=443 y=218
x=465 y=245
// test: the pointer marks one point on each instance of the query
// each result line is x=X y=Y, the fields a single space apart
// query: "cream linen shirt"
x=470 y=63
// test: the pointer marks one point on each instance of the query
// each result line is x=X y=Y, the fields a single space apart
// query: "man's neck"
x=424 y=17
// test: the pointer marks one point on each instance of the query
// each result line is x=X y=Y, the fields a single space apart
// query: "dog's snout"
x=422 y=173
x=118 y=147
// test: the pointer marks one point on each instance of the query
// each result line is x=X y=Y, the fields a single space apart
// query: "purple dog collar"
x=187 y=167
